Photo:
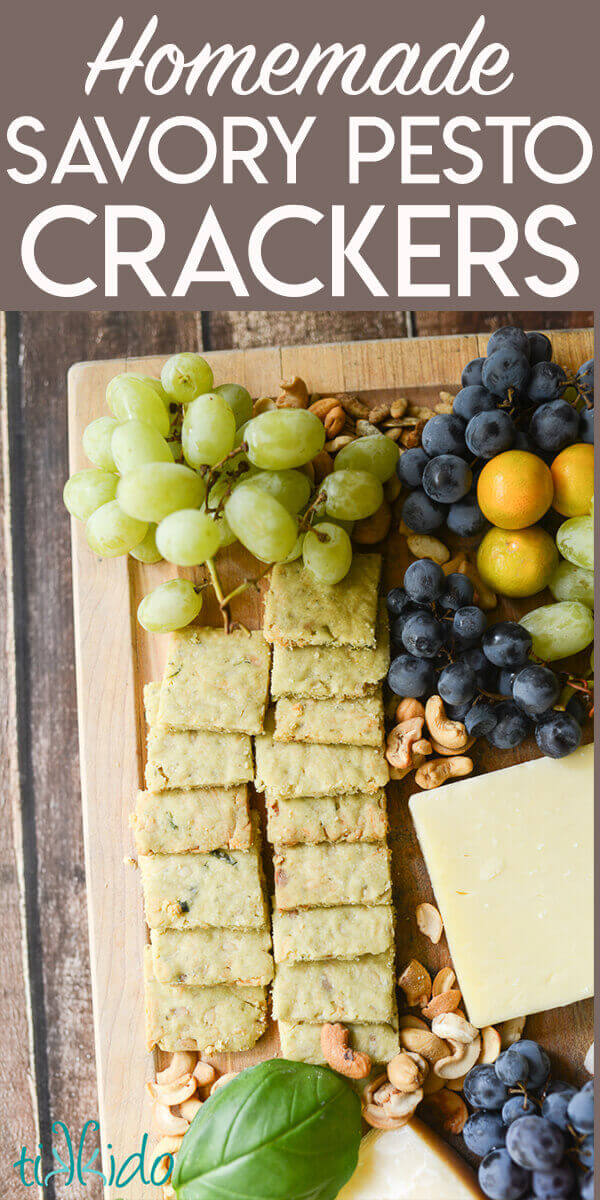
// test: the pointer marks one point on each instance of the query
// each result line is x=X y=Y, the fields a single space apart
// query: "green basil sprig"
x=279 y=1131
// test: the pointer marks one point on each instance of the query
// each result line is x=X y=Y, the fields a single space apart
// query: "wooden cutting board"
x=115 y=658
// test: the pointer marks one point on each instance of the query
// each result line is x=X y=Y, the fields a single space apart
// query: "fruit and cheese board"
x=459 y=515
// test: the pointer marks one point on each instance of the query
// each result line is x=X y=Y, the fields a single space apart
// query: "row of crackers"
x=322 y=768
x=209 y=962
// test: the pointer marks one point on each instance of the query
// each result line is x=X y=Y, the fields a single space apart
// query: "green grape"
x=135 y=443
x=159 y=389
x=188 y=537
x=226 y=536
x=286 y=437
x=110 y=531
x=132 y=397
x=321 y=514
x=219 y=492
x=186 y=376
x=327 y=552
x=86 y=490
x=261 y=523
x=377 y=454
x=559 y=630
x=352 y=495
x=240 y=434
x=154 y=490
x=147 y=551
x=208 y=432
x=96 y=442
x=573 y=583
x=291 y=488
x=297 y=548
x=575 y=540
x=239 y=400
x=171 y=606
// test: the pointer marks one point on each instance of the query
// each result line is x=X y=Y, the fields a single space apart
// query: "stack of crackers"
x=209 y=960
x=322 y=768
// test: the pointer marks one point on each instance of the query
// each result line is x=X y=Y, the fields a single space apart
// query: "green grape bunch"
x=182 y=469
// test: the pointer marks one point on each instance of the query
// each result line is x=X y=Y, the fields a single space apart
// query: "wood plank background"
x=48 y=1059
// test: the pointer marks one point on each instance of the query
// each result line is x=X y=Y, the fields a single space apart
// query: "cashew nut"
x=408 y=708
x=407 y=1071
x=433 y=774
x=454 y=1028
x=167 y=1145
x=400 y=741
x=190 y=1108
x=451 y=734
x=511 y=1031
x=166 y=1122
x=222 y=1080
x=182 y=1063
x=340 y=1056
x=423 y=546
x=204 y=1073
x=415 y=982
x=429 y=922
x=490 y=1045
x=425 y=1043
x=460 y=1062
x=293 y=394
x=387 y=1108
x=170 y=1094
x=437 y=747
x=447 y=1111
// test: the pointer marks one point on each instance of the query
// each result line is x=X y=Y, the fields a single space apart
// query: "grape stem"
x=213 y=475
x=246 y=584
x=306 y=520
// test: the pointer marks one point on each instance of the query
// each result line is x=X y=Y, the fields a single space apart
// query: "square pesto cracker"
x=301 y=611
x=196 y=758
x=328 y=875
x=301 y=1042
x=185 y=820
x=206 y=1019
x=204 y=957
x=325 y=672
x=336 y=990
x=292 y=770
x=189 y=891
x=348 y=931
x=216 y=680
x=356 y=722
x=326 y=819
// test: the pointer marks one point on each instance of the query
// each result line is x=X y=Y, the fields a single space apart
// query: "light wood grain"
x=115 y=658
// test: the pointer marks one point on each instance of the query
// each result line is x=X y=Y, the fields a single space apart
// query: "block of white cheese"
x=411 y=1163
x=510 y=857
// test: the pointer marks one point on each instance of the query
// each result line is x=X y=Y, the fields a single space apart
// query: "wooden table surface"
x=48 y=1072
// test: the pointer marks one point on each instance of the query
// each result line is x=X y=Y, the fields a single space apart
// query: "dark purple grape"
x=581 y=1109
x=485 y=672
x=511 y=728
x=410 y=466
x=457 y=683
x=409 y=676
x=546 y=382
x=523 y=442
x=469 y=622
x=480 y=719
x=586 y=1152
x=511 y=1067
x=556 y=1184
x=554 y=426
x=577 y=708
x=423 y=635
x=539 y=1063
x=535 y=689
x=540 y=348
x=506 y=371
x=584 y=379
x=555 y=1106
x=534 y=1143
x=458 y=591
x=472 y=400
x=490 y=433
x=505 y=683
x=424 y=581
x=444 y=434
x=457 y=712
x=421 y=514
x=465 y=518
x=471 y=374
x=558 y=734
x=500 y=1178
x=507 y=644
x=483 y=1089
x=484 y=1131
x=586 y=426
x=508 y=336
x=518 y=1106
x=446 y=478
x=586 y=1186
x=397 y=601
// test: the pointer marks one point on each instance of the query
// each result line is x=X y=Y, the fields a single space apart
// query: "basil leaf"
x=279 y=1131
